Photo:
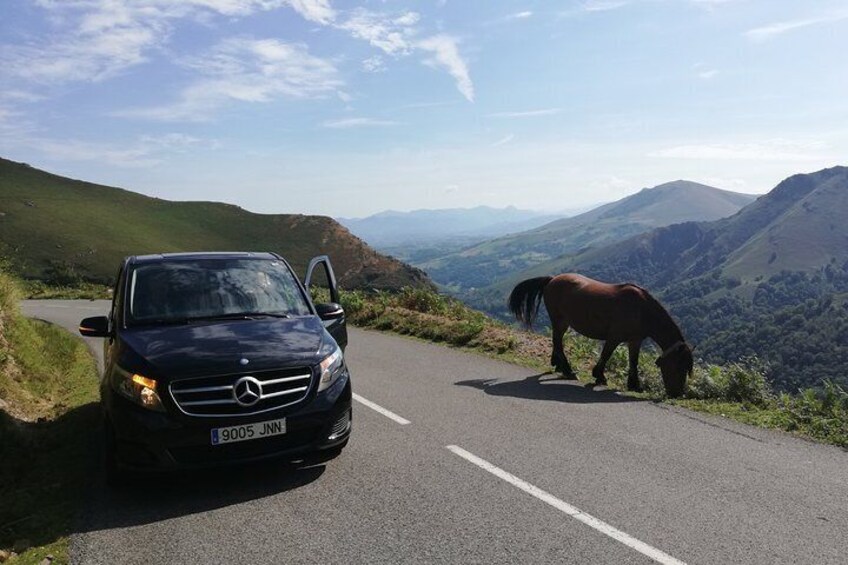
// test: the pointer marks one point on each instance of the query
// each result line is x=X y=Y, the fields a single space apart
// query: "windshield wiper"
x=162 y=322
x=189 y=320
x=240 y=316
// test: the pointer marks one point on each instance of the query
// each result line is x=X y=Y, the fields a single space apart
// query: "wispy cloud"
x=96 y=39
x=374 y=64
x=348 y=123
x=769 y=150
x=504 y=140
x=704 y=72
x=520 y=15
x=592 y=6
x=769 y=31
x=318 y=11
x=398 y=35
x=444 y=53
x=391 y=34
x=602 y=5
x=526 y=113
x=247 y=70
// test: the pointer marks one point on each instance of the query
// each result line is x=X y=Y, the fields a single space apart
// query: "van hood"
x=218 y=347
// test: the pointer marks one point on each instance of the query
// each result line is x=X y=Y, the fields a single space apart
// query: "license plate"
x=248 y=431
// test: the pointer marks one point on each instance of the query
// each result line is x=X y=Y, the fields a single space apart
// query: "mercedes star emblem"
x=247 y=391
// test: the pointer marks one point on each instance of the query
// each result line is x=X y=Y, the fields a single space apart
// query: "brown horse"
x=614 y=313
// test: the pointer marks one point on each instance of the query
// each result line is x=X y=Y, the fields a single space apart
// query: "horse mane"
x=658 y=312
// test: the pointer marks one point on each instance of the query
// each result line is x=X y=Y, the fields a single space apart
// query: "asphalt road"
x=495 y=465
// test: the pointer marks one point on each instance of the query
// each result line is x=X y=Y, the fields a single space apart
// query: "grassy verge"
x=79 y=291
x=48 y=416
x=739 y=391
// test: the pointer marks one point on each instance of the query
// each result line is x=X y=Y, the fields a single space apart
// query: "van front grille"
x=242 y=394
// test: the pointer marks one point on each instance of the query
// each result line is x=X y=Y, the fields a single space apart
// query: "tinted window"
x=178 y=290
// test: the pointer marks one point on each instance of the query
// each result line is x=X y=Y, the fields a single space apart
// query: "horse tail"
x=525 y=298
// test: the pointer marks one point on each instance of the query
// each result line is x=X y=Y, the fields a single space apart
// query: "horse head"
x=676 y=363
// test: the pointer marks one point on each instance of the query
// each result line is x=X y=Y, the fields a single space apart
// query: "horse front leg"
x=633 y=373
x=606 y=353
x=558 y=359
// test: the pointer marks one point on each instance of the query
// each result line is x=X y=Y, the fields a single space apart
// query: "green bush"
x=744 y=382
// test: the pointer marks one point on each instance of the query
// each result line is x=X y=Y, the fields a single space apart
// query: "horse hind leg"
x=558 y=359
x=633 y=373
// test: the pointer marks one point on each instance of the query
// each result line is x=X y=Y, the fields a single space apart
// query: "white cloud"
x=707 y=74
x=348 y=123
x=397 y=36
x=374 y=64
x=526 y=113
x=96 y=39
x=769 y=31
x=520 y=15
x=603 y=5
x=769 y=150
x=318 y=11
x=389 y=34
x=504 y=140
x=93 y=40
x=247 y=70
x=445 y=54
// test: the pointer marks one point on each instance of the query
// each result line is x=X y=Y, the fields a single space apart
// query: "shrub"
x=743 y=381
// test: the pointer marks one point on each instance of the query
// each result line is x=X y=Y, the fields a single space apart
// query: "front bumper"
x=149 y=441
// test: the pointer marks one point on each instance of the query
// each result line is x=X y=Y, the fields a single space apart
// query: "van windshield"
x=198 y=289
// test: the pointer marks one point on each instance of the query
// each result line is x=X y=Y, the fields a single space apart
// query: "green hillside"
x=770 y=281
x=666 y=204
x=55 y=228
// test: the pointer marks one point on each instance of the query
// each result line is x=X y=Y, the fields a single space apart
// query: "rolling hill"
x=55 y=228
x=770 y=281
x=798 y=226
x=666 y=204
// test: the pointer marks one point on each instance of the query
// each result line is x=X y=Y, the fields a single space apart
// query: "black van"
x=219 y=358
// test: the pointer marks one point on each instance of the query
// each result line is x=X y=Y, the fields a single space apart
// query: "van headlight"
x=331 y=368
x=137 y=388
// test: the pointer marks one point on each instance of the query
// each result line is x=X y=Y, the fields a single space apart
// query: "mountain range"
x=60 y=229
x=486 y=263
x=392 y=229
x=798 y=226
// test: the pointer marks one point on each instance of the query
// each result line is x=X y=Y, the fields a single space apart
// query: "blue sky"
x=349 y=108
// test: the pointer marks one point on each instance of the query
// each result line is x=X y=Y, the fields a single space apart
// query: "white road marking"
x=574 y=512
x=377 y=408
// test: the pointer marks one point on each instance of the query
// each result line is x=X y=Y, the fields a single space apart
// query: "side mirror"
x=330 y=311
x=97 y=326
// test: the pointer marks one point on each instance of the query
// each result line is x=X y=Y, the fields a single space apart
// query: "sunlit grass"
x=48 y=431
